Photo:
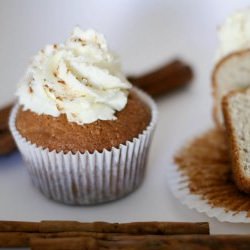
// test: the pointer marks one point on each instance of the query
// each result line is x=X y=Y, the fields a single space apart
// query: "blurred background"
x=145 y=34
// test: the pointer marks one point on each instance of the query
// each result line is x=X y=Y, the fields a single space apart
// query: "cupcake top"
x=234 y=34
x=81 y=79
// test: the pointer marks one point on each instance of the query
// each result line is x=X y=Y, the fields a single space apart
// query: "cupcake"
x=82 y=129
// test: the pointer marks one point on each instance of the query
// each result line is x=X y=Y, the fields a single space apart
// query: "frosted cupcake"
x=82 y=129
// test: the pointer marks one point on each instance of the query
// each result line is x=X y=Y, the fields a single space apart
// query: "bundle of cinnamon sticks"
x=73 y=235
x=169 y=77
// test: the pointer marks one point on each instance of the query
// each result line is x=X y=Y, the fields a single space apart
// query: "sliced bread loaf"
x=236 y=111
x=231 y=72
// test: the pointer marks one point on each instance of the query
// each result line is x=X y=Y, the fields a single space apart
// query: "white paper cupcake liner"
x=88 y=178
x=178 y=183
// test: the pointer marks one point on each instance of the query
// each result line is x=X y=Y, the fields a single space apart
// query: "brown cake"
x=59 y=134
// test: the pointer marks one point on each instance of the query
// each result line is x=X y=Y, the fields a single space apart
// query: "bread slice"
x=236 y=111
x=231 y=72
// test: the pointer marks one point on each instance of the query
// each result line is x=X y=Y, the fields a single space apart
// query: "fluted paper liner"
x=88 y=178
x=201 y=179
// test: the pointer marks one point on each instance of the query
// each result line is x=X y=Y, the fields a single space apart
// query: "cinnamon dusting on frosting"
x=83 y=72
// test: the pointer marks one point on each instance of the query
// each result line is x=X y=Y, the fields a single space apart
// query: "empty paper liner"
x=201 y=178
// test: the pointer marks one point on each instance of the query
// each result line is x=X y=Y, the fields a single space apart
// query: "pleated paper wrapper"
x=232 y=205
x=88 y=178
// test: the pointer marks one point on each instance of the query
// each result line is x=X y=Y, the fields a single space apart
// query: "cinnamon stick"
x=83 y=243
x=7 y=144
x=180 y=242
x=16 y=239
x=23 y=239
x=19 y=226
x=164 y=228
x=4 y=117
x=148 y=242
x=171 y=76
x=129 y=228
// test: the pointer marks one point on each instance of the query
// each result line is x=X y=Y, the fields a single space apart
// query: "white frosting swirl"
x=81 y=79
x=234 y=34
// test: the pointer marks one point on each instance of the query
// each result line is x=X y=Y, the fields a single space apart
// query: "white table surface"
x=145 y=34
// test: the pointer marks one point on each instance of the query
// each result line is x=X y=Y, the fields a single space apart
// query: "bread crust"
x=215 y=95
x=242 y=182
